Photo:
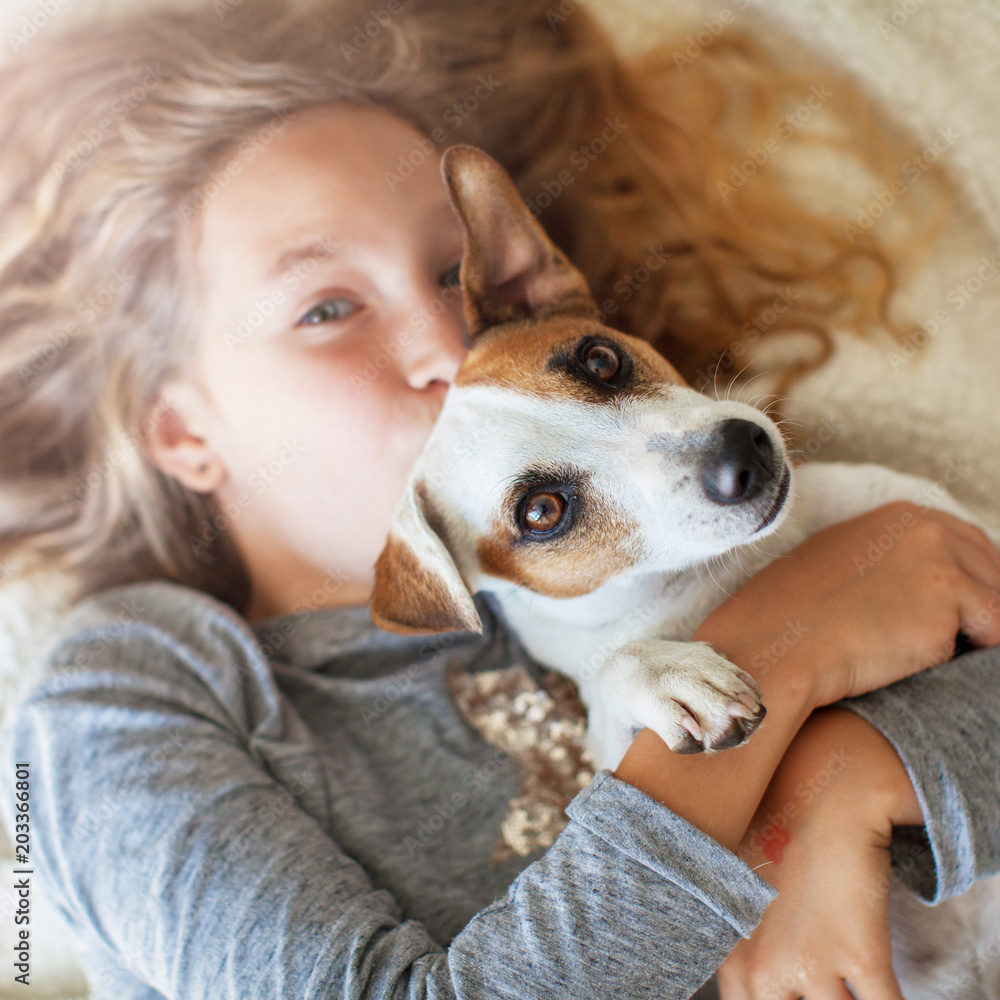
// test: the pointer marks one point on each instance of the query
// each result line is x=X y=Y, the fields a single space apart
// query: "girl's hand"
x=821 y=837
x=863 y=622
x=819 y=624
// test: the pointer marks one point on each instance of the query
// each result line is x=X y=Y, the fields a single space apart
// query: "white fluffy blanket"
x=933 y=66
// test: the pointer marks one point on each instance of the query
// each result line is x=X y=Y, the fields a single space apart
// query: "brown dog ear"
x=510 y=268
x=418 y=588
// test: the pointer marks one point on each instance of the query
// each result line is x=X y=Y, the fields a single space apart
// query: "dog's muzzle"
x=740 y=465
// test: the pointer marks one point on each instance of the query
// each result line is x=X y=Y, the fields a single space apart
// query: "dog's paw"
x=693 y=698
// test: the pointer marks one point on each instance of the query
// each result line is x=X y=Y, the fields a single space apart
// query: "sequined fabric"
x=541 y=725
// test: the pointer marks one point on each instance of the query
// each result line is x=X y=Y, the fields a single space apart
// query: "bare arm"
x=856 y=632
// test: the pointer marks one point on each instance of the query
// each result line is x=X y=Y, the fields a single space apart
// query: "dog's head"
x=566 y=453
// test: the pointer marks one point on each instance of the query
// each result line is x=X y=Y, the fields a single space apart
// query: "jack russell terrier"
x=609 y=508
x=607 y=505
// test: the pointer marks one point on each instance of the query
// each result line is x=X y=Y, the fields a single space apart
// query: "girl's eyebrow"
x=319 y=249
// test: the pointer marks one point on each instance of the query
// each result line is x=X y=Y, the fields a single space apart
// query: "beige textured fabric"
x=932 y=64
x=934 y=413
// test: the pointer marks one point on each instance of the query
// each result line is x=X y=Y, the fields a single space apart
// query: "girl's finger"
x=973 y=543
x=977 y=536
x=881 y=985
x=830 y=989
x=730 y=980
x=975 y=563
x=979 y=614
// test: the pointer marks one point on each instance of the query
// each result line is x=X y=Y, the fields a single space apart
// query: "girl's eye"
x=450 y=278
x=328 y=311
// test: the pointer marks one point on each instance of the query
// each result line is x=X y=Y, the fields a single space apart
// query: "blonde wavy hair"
x=110 y=130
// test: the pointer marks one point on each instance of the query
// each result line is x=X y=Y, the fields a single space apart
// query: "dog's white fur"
x=624 y=643
x=623 y=639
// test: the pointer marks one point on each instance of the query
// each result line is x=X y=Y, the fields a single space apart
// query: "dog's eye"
x=602 y=360
x=543 y=512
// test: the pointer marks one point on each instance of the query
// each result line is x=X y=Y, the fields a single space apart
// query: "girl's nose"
x=437 y=350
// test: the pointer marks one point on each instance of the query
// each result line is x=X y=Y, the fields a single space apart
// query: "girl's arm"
x=899 y=785
x=812 y=630
x=184 y=865
x=942 y=726
x=909 y=796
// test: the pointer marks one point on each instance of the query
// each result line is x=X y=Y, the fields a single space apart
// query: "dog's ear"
x=418 y=588
x=510 y=268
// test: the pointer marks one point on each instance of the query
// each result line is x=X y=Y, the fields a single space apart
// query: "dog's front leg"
x=693 y=698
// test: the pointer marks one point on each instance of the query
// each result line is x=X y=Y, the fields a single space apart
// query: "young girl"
x=229 y=319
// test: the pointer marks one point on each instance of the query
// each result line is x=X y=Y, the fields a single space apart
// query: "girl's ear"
x=418 y=588
x=510 y=268
x=175 y=444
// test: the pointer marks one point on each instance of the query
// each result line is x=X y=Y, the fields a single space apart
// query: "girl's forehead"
x=333 y=166
x=324 y=177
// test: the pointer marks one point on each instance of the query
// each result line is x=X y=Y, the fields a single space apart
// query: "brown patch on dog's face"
x=543 y=359
x=546 y=360
x=595 y=544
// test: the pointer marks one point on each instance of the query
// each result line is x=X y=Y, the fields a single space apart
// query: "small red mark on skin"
x=774 y=844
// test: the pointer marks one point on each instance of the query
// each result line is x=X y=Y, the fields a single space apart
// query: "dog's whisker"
x=736 y=378
x=707 y=566
x=715 y=375
x=763 y=407
x=773 y=405
x=750 y=381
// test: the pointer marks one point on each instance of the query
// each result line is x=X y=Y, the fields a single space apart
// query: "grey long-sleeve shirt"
x=215 y=822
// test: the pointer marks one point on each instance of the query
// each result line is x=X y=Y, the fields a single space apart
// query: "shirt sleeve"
x=943 y=723
x=153 y=822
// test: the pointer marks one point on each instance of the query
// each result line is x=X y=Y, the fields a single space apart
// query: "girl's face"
x=332 y=326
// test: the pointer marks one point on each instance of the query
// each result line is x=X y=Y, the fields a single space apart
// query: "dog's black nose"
x=740 y=464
